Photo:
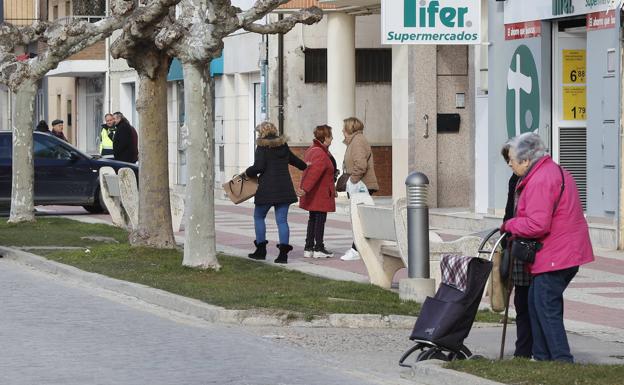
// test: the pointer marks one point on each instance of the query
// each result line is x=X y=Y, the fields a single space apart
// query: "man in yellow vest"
x=107 y=134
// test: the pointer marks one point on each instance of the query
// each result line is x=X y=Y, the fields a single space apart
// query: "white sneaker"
x=351 y=255
x=308 y=253
x=323 y=253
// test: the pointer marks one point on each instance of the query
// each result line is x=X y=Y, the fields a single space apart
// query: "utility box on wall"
x=448 y=123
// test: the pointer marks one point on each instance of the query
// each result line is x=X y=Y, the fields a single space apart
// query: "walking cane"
x=506 y=316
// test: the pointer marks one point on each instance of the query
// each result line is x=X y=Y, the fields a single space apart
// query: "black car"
x=63 y=174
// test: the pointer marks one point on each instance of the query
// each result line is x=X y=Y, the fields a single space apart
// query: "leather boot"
x=283 y=254
x=260 y=252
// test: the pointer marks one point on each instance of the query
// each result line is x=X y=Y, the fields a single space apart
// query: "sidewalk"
x=594 y=300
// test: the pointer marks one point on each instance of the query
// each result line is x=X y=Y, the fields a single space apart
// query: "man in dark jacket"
x=125 y=142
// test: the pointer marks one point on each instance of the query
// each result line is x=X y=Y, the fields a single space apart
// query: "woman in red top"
x=318 y=191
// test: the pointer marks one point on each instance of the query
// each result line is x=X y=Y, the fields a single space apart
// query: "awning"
x=176 y=71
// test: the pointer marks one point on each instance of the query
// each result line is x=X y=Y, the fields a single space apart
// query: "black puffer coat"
x=271 y=161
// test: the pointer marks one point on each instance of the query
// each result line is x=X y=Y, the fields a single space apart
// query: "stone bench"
x=380 y=235
x=120 y=195
x=111 y=197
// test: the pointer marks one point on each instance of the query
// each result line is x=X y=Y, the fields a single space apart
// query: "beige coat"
x=359 y=162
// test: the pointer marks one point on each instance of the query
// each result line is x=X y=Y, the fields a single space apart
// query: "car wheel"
x=97 y=207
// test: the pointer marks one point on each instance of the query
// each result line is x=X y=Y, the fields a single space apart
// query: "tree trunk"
x=23 y=183
x=154 y=229
x=200 y=248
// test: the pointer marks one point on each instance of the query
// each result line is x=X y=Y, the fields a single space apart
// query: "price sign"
x=574 y=101
x=574 y=67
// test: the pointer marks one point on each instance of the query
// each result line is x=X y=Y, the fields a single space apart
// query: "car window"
x=5 y=146
x=47 y=148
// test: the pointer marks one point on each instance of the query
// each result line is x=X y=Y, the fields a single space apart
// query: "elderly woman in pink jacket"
x=548 y=209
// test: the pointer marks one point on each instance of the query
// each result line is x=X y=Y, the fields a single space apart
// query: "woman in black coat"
x=520 y=277
x=275 y=188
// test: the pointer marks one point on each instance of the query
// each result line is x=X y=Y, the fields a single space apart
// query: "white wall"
x=305 y=105
x=4 y=108
x=172 y=130
x=241 y=53
x=234 y=111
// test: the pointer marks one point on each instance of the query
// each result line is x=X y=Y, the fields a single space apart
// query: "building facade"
x=556 y=70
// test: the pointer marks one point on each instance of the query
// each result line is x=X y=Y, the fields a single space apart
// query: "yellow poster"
x=574 y=67
x=574 y=101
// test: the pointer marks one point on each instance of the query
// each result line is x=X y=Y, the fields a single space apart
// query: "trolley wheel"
x=418 y=346
x=462 y=354
x=432 y=354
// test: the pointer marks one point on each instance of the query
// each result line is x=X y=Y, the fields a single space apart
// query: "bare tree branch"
x=260 y=9
x=64 y=40
x=306 y=16
x=142 y=28
x=11 y=35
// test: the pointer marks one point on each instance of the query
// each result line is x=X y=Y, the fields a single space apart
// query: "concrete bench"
x=380 y=235
x=373 y=229
x=111 y=197
x=120 y=195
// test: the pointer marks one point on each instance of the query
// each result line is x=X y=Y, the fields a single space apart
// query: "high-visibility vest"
x=105 y=141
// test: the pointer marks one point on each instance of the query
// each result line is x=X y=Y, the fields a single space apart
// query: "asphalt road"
x=58 y=332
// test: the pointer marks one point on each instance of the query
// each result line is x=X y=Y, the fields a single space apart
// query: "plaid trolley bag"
x=445 y=320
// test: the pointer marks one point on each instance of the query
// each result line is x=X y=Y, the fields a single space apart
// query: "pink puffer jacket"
x=564 y=235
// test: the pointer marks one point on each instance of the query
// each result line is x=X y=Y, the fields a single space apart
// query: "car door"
x=62 y=176
x=5 y=168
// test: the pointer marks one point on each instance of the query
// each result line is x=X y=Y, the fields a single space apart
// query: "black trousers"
x=524 y=337
x=316 y=230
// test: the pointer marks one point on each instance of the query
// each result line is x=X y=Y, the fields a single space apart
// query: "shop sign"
x=431 y=21
x=523 y=94
x=574 y=102
x=574 y=67
x=523 y=30
x=600 y=20
x=574 y=90
x=527 y=10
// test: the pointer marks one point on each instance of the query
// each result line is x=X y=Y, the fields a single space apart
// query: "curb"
x=199 y=309
x=431 y=372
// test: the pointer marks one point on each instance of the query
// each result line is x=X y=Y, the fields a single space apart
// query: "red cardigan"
x=318 y=180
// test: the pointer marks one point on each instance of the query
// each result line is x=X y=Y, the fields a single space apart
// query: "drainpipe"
x=107 y=74
x=10 y=108
x=280 y=81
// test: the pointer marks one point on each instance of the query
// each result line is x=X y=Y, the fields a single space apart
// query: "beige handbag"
x=497 y=288
x=240 y=188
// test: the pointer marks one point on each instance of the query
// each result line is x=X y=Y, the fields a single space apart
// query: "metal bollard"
x=417 y=225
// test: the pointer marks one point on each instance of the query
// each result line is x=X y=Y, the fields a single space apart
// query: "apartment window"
x=55 y=12
x=372 y=65
x=58 y=107
x=69 y=113
x=315 y=65
x=67 y=8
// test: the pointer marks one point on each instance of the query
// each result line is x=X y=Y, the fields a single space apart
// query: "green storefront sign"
x=523 y=96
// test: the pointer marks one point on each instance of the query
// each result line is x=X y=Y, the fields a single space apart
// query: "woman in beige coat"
x=359 y=163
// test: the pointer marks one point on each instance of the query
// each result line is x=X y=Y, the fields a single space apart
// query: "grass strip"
x=56 y=232
x=525 y=372
x=240 y=284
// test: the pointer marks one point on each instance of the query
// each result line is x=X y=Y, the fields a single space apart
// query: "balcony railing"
x=90 y=19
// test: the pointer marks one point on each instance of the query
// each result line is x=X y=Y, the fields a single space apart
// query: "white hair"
x=527 y=146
